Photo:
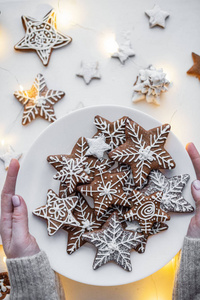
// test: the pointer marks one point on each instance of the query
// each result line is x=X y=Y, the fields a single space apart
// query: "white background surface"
x=169 y=48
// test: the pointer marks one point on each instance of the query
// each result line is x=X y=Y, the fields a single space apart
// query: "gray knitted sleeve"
x=187 y=279
x=32 y=278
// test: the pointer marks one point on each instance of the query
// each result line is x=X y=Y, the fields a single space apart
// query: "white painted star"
x=8 y=156
x=124 y=51
x=157 y=16
x=97 y=147
x=88 y=71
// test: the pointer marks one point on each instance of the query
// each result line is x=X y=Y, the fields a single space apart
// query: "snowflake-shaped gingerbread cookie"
x=42 y=36
x=114 y=243
x=57 y=212
x=149 y=85
x=146 y=210
x=106 y=189
x=114 y=132
x=172 y=188
x=38 y=101
x=144 y=151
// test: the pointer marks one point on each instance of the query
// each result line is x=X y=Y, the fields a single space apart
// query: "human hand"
x=17 y=241
x=194 y=226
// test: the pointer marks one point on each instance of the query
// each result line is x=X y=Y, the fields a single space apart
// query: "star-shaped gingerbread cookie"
x=124 y=51
x=9 y=155
x=144 y=151
x=38 y=101
x=114 y=243
x=172 y=188
x=195 y=69
x=106 y=189
x=146 y=210
x=42 y=36
x=89 y=71
x=86 y=217
x=114 y=132
x=157 y=16
x=97 y=147
x=58 y=212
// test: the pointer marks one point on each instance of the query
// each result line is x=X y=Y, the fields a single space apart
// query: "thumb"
x=19 y=217
x=196 y=194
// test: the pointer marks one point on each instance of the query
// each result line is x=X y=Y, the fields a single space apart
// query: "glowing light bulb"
x=21 y=88
x=110 y=44
x=2 y=143
x=4 y=259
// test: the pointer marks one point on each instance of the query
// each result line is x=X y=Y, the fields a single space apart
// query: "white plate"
x=36 y=177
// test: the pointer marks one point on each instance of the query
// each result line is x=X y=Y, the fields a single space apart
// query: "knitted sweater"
x=31 y=278
x=187 y=279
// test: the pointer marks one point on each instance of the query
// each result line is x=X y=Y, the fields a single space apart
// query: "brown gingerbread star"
x=143 y=150
x=146 y=210
x=195 y=69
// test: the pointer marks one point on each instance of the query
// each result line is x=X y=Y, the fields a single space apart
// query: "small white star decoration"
x=89 y=71
x=8 y=156
x=97 y=147
x=124 y=51
x=157 y=16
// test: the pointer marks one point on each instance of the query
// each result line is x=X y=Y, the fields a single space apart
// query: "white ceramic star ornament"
x=89 y=71
x=124 y=51
x=9 y=155
x=42 y=36
x=157 y=16
x=97 y=147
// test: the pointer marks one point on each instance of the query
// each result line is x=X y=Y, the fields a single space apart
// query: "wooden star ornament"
x=42 y=36
x=38 y=101
x=195 y=69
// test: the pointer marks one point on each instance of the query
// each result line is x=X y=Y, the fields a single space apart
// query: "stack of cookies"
x=119 y=169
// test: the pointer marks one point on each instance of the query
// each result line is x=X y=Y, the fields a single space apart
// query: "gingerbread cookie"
x=129 y=184
x=9 y=155
x=195 y=69
x=86 y=217
x=57 y=212
x=38 y=101
x=157 y=16
x=143 y=151
x=113 y=243
x=172 y=188
x=97 y=147
x=42 y=36
x=106 y=189
x=114 y=132
x=146 y=210
x=4 y=286
x=89 y=71
x=149 y=85
x=124 y=51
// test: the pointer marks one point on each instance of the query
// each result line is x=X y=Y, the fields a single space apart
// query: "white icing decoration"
x=89 y=71
x=42 y=36
x=124 y=51
x=172 y=188
x=39 y=100
x=57 y=212
x=9 y=155
x=116 y=136
x=87 y=222
x=146 y=210
x=157 y=16
x=72 y=172
x=150 y=83
x=106 y=193
x=97 y=147
x=132 y=154
x=145 y=154
x=113 y=243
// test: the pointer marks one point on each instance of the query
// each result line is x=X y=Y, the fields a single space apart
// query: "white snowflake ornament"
x=89 y=71
x=124 y=51
x=113 y=243
x=97 y=147
x=149 y=85
x=157 y=16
